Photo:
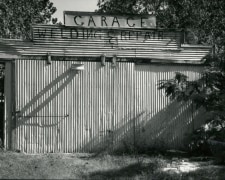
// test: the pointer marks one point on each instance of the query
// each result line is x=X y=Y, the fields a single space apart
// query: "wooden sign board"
x=152 y=38
x=95 y=20
x=93 y=42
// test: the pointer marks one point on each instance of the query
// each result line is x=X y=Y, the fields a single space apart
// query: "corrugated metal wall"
x=160 y=122
x=59 y=110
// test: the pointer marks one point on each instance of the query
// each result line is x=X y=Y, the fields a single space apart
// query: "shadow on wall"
x=37 y=127
x=25 y=113
x=166 y=129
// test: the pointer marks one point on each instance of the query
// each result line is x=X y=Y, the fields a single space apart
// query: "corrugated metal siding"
x=160 y=122
x=67 y=112
x=41 y=99
x=98 y=108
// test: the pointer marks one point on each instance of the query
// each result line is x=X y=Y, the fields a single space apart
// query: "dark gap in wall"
x=2 y=77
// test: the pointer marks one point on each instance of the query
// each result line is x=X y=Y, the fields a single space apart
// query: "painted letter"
x=97 y=34
x=62 y=34
x=142 y=22
x=129 y=18
x=41 y=33
x=147 y=36
x=131 y=34
x=91 y=20
x=75 y=20
x=90 y=33
x=123 y=35
x=103 y=19
x=138 y=33
x=115 y=20
x=51 y=33
x=72 y=34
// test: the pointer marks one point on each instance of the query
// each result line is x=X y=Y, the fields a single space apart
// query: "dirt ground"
x=89 y=166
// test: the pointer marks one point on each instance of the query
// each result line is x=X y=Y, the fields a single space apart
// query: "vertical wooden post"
x=8 y=105
x=134 y=107
x=13 y=104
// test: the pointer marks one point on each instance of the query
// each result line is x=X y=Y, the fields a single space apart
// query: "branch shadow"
x=166 y=129
x=153 y=170
x=129 y=171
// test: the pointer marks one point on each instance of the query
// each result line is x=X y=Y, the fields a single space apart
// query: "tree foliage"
x=130 y=6
x=17 y=16
x=208 y=25
x=203 y=18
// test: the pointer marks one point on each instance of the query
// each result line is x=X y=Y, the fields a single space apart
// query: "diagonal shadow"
x=64 y=79
x=38 y=126
x=157 y=132
x=167 y=129
x=99 y=143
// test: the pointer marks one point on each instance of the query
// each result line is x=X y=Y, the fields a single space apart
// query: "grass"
x=103 y=166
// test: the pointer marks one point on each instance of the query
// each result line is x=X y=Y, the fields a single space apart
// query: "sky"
x=73 y=5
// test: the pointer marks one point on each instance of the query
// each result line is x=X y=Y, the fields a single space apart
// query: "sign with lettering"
x=164 y=45
x=81 y=41
x=92 y=20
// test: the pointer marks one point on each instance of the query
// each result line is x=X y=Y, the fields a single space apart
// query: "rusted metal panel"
x=101 y=107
